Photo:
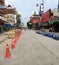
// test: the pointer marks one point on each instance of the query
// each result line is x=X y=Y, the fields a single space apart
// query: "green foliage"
x=29 y=24
x=18 y=20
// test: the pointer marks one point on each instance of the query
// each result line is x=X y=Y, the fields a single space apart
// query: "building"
x=10 y=15
x=50 y=19
x=2 y=6
x=2 y=3
x=55 y=12
x=54 y=20
x=45 y=19
x=35 y=19
x=2 y=19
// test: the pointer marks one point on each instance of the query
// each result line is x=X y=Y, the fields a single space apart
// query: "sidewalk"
x=3 y=37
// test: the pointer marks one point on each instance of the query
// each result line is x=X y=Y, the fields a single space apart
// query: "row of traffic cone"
x=14 y=41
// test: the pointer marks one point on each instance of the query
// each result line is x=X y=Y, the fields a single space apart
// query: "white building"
x=10 y=15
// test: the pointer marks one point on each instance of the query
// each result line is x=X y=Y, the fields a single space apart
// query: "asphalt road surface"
x=31 y=49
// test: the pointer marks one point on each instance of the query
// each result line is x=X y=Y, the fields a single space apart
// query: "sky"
x=25 y=7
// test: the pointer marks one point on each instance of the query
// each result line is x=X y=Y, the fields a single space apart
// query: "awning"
x=7 y=25
x=54 y=20
x=36 y=21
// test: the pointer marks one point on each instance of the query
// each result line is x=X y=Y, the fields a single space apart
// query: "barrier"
x=56 y=37
x=51 y=35
x=7 y=55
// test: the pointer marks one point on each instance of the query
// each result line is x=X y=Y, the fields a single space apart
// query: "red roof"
x=46 y=16
x=35 y=20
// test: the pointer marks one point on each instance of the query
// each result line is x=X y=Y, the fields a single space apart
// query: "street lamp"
x=41 y=7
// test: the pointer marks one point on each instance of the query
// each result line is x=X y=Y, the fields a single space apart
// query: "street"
x=31 y=49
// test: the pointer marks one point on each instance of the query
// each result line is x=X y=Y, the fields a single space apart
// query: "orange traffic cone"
x=20 y=32
x=13 y=45
x=15 y=39
x=8 y=55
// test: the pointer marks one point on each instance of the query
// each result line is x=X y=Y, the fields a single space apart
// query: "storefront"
x=35 y=20
x=1 y=25
x=54 y=22
x=46 y=18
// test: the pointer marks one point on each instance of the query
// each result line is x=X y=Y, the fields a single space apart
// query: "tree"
x=29 y=24
x=18 y=20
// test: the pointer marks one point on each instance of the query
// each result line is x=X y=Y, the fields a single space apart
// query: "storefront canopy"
x=36 y=20
x=54 y=20
x=7 y=25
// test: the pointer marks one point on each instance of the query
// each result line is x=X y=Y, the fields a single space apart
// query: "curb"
x=49 y=35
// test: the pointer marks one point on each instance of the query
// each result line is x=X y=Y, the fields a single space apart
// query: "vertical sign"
x=41 y=9
x=58 y=8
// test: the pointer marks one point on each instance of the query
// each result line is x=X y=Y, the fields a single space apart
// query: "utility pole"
x=41 y=8
x=58 y=8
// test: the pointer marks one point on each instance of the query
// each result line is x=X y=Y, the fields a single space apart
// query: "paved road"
x=32 y=49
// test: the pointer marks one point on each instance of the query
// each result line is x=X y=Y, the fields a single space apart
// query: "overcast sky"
x=25 y=7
